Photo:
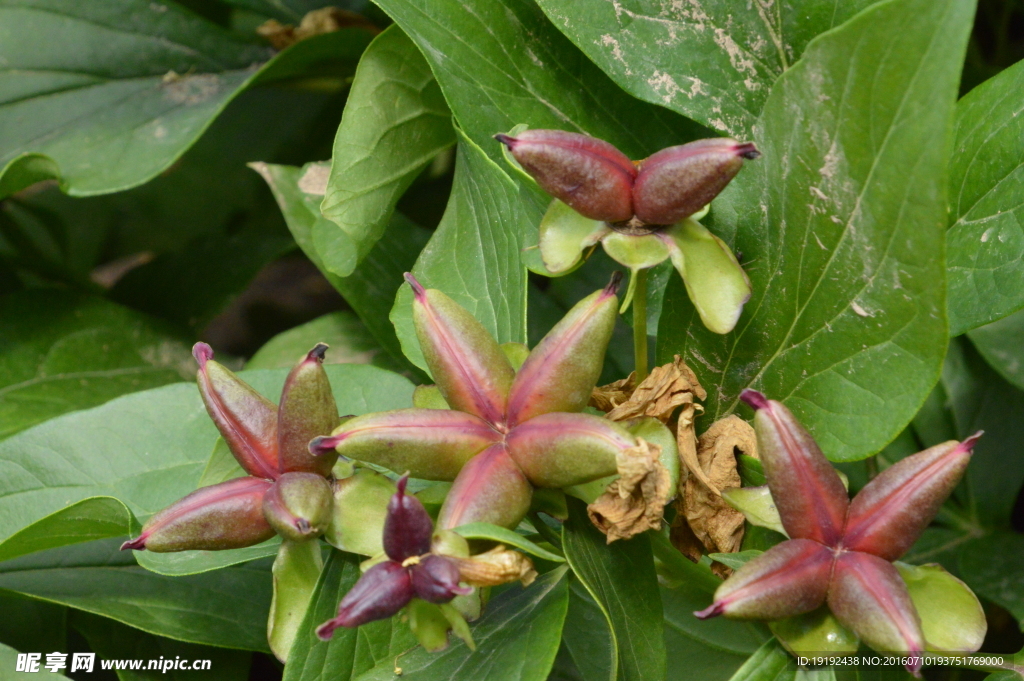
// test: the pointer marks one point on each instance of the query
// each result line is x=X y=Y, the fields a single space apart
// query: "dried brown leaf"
x=494 y=567
x=317 y=22
x=633 y=502
x=666 y=388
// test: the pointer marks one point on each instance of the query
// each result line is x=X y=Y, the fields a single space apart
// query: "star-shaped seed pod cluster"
x=286 y=490
x=506 y=431
x=642 y=212
x=840 y=552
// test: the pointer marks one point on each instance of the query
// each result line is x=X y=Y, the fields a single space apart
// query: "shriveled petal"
x=435 y=579
x=298 y=506
x=432 y=444
x=716 y=284
x=561 y=372
x=892 y=511
x=676 y=182
x=382 y=591
x=788 y=579
x=808 y=492
x=471 y=371
x=491 y=489
x=224 y=516
x=246 y=419
x=407 y=528
x=307 y=410
x=868 y=597
x=589 y=174
x=558 y=450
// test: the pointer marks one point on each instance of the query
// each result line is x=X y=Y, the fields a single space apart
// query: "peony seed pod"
x=382 y=591
x=588 y=174
x=299 y=505
x=435 y=579
x=307 y=410
x=408 y=528
x=490 y=488
x=675 y=183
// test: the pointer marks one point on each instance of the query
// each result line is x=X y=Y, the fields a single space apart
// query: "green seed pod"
x=559 y=450
x=432 y=444
x=224 y=516
x=299 y=505
x=491 y=489
x=589 y=174
x=562 y=370
x=246 y=419
x=471 y=371
x=307 y=410
x=675 y=183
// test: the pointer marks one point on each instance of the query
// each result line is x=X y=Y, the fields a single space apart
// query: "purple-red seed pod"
x=307 y=410
x=407 y=528
x=382 y=591
x=436 y=579
x=675 y=183
x=590 y=175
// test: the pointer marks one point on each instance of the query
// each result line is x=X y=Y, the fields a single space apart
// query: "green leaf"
x=507 y=537
x=226 y=608
x=516 y=640
x=991 y=566
x=148 y=449
x=349 y=652
x=475 y=254
x=621 y=579
x=292 y=11
x=9 y=662
x=32 y=625
x=63 y=351
x=351 y=343
x=712 y=61
x=999 y=343
x=588 y=637
x=734 y=560
x=501 y=63
x=771 y=662
x=86 y=520
x=296 y=572
x=371 y=288
x=986 y=204
x=841 y=224
x=119 y=91
x=112 y=640
x=395 y=122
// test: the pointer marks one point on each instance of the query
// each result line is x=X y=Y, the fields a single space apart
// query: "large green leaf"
x=771 y=662
x=226 y=608
x=86 y=520
x=395 y=122
x=991 y=566
x=841 y=226
x=113 y=641
x=986 y=204
x=9 y=662
x=620 y=577
x=475 y=254
x=148 y=449
x=118 y=91
x=61 y=351
x=32 y=625
x=371 y=288
x=712 y=61
x=501 y=63
x=350 y=341
x=516 y=640
x=1000 y=343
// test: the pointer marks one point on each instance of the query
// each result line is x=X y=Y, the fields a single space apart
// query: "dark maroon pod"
x=588 y=174
x=408 y=528
x=675 y=183
x=382 y=591
x=436 y=579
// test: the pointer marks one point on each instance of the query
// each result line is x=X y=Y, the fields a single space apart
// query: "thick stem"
x=640 y=325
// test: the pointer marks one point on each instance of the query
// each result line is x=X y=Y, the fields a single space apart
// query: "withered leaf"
x=494 y=567
x=666 y=388
x=316 y=22
x=633 y=502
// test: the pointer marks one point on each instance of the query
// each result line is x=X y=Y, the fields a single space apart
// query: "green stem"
x=640 y=325
x=545 y=531
x=872 y=465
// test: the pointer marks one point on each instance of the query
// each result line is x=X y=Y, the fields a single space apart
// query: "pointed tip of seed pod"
x=302 y=525
x=713 y=610
x=417 y=287
x=968 y=443
x=318 y=352
x=323 y=444
x=137 y=544
x=203 y=354
x=748 y=151
x=613 y=284
x=506 y=140
x=755 y=399
x=402 y=482
x=326 y=630
x=914 y=666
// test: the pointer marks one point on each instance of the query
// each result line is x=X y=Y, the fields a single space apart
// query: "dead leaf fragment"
x=634 y=502
x=715 y=524
x=666 y=388
x=494 y=567
x=317 y=22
